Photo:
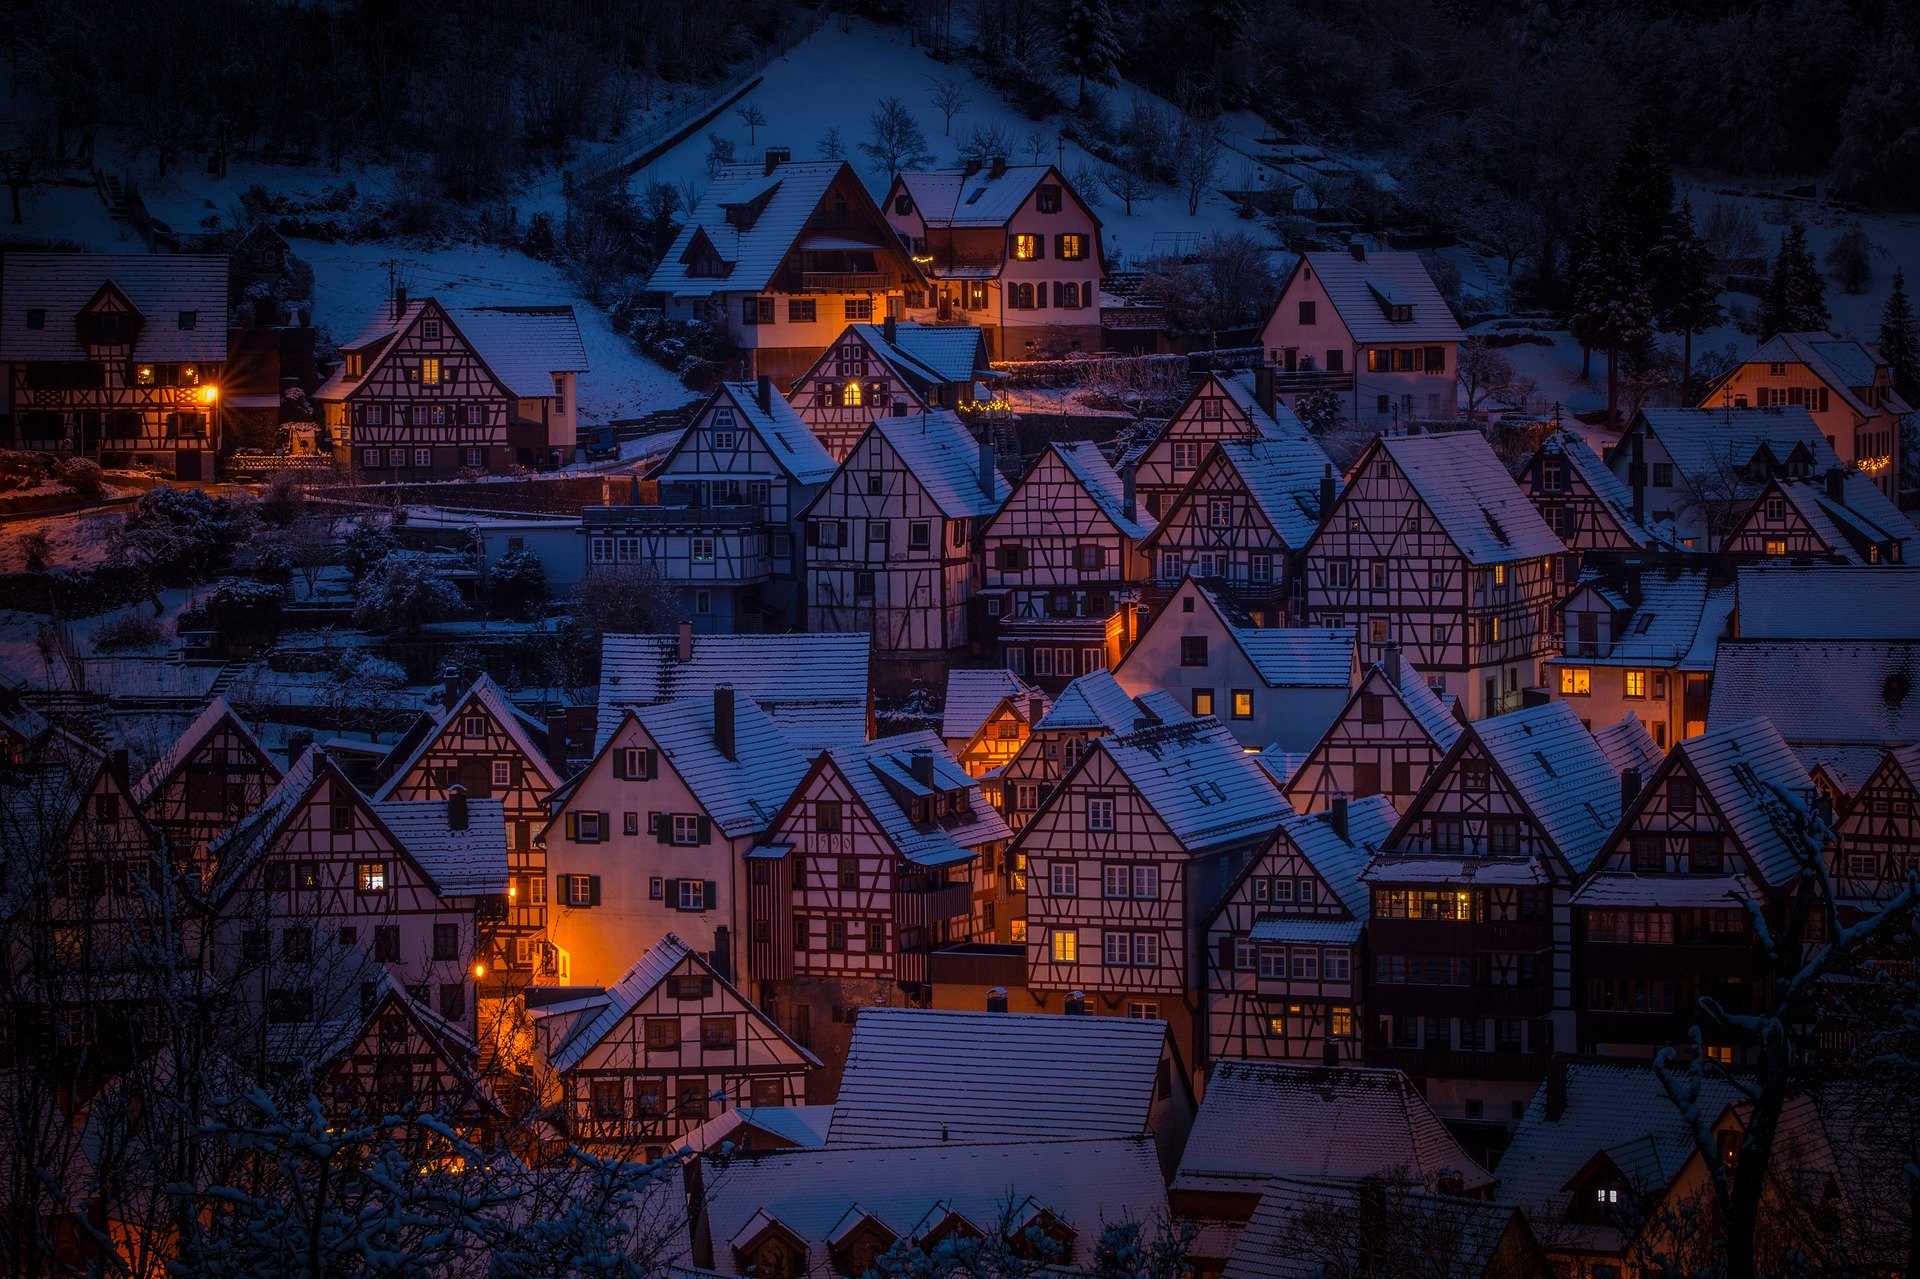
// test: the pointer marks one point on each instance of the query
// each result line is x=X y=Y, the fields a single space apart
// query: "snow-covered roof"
x=1755 y=781
x=1307 y=932
x=216 y=713
x=911 y=1190
x=1282 y=474
x=929 y=353
x=1667 y=623
x=38 y=804
x=1264 y=1119
x=1669 y=891
x=881 y=774
x=1627 y=744
x=1559 y=772
x=1199 y=781
x=1431 y=868
x=940 y=453
x=234 y=850
x=1821 y=692
x=1862 y=516
x=795 y=447
x=524 y=345
x=1608 y=1104
x=491 y=698
x=1847 y=767
x=1704 y=442
x=1846 y=366
x=461 y=861
x=1472 y=497
x=742 y=794
x=972 y=695
x=923 y=1075
x=1605 y=485
x=168 y=290
x=1364 y=290
x=1430 y=708
x=1828 y=601
x=1339 y=861
x=1102 y=483
x=983 y=198
x=1299 y=656
x=804 y=1126
x=1301 y=1221
x=814 y=686
x=1096 y=702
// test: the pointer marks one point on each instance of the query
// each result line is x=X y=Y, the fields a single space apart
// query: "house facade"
x=783 y=255
x=1011 y=249
x=1842 y=517
x=427 y=390
x=211 y=777
x=893 y=368
x=1091 y=707
x=1432 y=547
x=1371 y=325
x=1584 y=502
x=1385 y=741
x=1879 y=829
x=1643 y=647
x=1225 y=408
x=1699 y=470
x=116 y=357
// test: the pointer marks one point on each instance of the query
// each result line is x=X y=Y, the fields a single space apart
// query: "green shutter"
x=703 y=830
x=606 y=828
x=573 y=826
x=673 y=894
x=593 y=890
x=709 y=894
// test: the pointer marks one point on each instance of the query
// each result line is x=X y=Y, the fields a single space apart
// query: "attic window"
x=36 y=317
x=1208 y=792
x=974 y=195
x=1047 y=198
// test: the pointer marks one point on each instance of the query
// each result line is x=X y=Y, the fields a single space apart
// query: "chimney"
x=633 y=489
x=987 y=476
x=1556 y=1088
x=776 y=156
x=721 y=957
x=1036 y=708
x=1263 y=386
x=456 y=807
x=1390 y=662
x=399 y=301
x=890 y=329
x=117 y=765
x=1076 y=1005
x=1637 y=478
x=1629 y=787
x=1337 y=815
x=1328 y=491
x=997 y=1000
x=973 y=167
x=999 y=167
x=1358 y=250
x=723 y=719
x=1128 y=499
x=765 y=393
x=449 y=695
x=920 y=766
x=1836 y=485
x=686 y=642
x=1329 y=1051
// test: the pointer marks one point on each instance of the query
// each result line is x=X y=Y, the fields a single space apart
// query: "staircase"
x=113 y=194
x=229 y=672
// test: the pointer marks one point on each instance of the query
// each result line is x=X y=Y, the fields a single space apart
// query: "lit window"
x=1242 y=704
x=1776 y=546
x=1066 y=946
x=1575 y=681
x=430 y=370
x=1636 y=683
x=371 y=877
x=1072 y=247
x=1026 y=248
x=853 y=394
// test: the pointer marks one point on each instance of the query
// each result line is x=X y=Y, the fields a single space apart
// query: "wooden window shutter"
x=813 y=533
x=1226 y=954
x=709 y=893
x=1040 y=294
x=663 y=827
x=703 y=829
x=573 y=826
x=605 y=818
x=619 y=764
x=593 y=890
x=673 y=894
x=653 y=823
x=649 y=763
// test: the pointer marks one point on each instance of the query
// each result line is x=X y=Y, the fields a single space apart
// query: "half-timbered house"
x=426 y=390
x=1058 y=560
x=1394 y=728
x=1841 y=518
x=214 y=774
x=1700 y=469
x=891 y=539
x=817 y=689
x=1432 y=546
x=1846 y=385
x=116 y=356
x=652 y=836
x=485 y=745
x=883 y=852
x=1270 y=685
x=782 y=256
x=724 y=532
x=1011 y=249
x=1663 y=916
x=986 y=718
x=1128 y=856
x=637 y=1066
x=1584 y=502
x=324 y=889
x=1642 y=646
x=1241 y=520
x=401 y=1057
x=1371 y=324
x=1468 y=930
x=1091 y=707
x=1286 y=963
x=1225 y=408
x=1879 y=831
x=894 y=368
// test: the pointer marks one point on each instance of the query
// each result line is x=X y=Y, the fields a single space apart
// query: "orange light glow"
x=209 y=393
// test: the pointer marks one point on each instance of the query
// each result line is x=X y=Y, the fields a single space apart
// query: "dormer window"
x=1046 y=198
x=189 y=320
x=36 y=317
x=353 y=364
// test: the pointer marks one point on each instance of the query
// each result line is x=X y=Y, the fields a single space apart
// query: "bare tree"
x=1035 y=144
x=895 y=141
x=949 y=99
x=831 y=146
x=753 y=117
x=1487 y=377
x=1197 y=159
x=1127 y=184
x=982 y=145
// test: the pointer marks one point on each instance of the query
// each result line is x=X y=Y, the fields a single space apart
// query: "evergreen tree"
x=1900 y=340
x=1686 y=288
x=1643 y=190
x=1090 y=42
x=1796 y=296
x=1612 y=308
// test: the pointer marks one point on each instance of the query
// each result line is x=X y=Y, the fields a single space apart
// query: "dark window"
x=1307 y=309
x=386 y=943
x=446 y=941
x=36 y=317
x=453 y=1000
x=1193 y=650
x=1046 y=198
x=801 y=310
x=189 y=319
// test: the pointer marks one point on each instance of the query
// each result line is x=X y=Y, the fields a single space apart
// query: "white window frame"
x=1063 y=879
x=502 y=772
x=1100 y=814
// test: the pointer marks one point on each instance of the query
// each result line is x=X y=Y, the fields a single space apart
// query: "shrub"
x=135 y=630
x=82 y=477
x=246 y=610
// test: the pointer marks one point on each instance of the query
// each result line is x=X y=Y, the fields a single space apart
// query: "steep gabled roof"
x=1362 y=290
x=1102 y=483
x=814 y=686
x=881 y=773
x=973 y=695
x=490 y=697
x=1759 y=787
x=742 y=794
x=1095 y=701
x=235 y=849
x=1667 y=624
x=1264 y=1119
x=1198 y=780
x=940 y=453
x=929 y=353
x=1433 y=710
x=1821 y=693
x=1604 y=484
x=1559 y=772
x=159 y=285
x=1299 y=656
x=214 y=715
x=1862 y=516
x=41 y=799
x=1827 y=601
x=1702 y=442
x=469 y=860
x=1300 y=1222
x=1472 y=497
x=1842 y=364
x=797 y=449
x=1339 y=861
x=1282 y=476
x=979 y=199
x=524 y=345
x=920 y=1076
x=1628 y=744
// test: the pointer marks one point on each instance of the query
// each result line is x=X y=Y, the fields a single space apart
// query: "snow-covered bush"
x=244 y=610
x=133 y=631
x=81 y=476
x=176 y=534
x=517 y=585
x=403 y=594
x=365 y=546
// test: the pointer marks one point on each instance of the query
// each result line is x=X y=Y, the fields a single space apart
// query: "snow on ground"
x=798 y=98
x=75 y=539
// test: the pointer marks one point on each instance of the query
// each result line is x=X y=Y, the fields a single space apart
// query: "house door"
x=86 y=429
x=186 y=464
x=1293 y=359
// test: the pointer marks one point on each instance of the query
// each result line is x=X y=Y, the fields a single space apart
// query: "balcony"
x=610 y=519
x=844 y=281
x=980 y=964
x=1443 y=1063
x=1446 y=937
x=1307 y=381
x=1460 y=1001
